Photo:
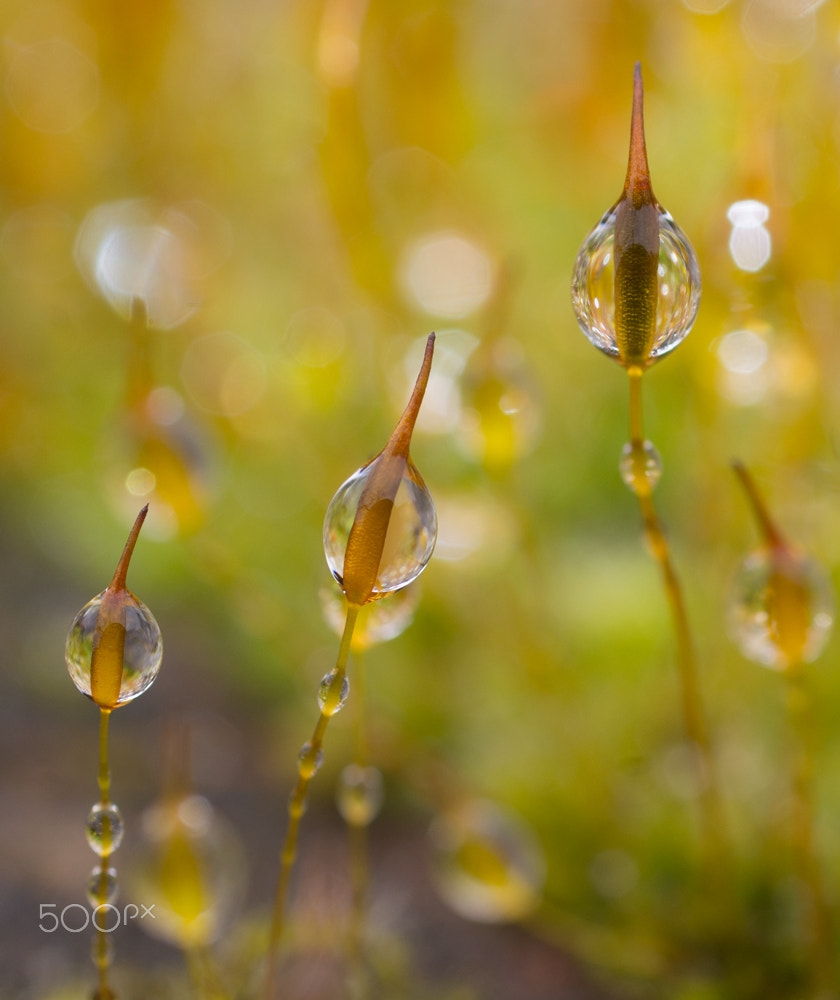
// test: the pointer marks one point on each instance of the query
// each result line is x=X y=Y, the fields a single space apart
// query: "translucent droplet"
x=640 y=467
x=191 y=866
x=332 y=693
x=781 y=613
x=104 y=828
x=678 y=287
x=142 y=653
x=309 y=760
x=102 y=886
x=488 y=865
x=360 y=794
x=102 y=956
x=377 y=622
x=411 y=534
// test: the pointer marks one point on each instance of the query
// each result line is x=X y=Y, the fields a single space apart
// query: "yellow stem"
x=636 y=433
x=101 y=946
x=358 y=835
x=104 y=767
x=297 y=803
x=817 y=912
x=693 y=714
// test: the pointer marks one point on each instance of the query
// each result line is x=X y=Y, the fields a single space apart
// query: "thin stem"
x=358 y=836
x=636 y=432
x=817 y=913
x=693 y=714
x=297 y=800
x=101 y=952
x=104 y=778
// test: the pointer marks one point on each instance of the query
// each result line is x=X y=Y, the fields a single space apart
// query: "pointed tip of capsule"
x=401 y=438
x=118 y=581
x=637 y=181
x=772 y=536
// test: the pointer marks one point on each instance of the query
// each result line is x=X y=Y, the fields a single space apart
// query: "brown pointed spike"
x=637 y=183
x=400 y=440
x=772 y=535
x=118 y=582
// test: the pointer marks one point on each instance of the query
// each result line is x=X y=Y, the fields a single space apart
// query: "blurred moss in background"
x=293 y=195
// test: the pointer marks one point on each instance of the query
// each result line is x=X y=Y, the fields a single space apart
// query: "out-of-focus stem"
x=818 y=919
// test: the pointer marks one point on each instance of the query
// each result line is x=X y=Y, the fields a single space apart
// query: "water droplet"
x=102 y=956
x=102 y=886
x=636 y=280
x=640 y=467
x=332 y=694
x=677 y=282
x=142 y=653
x=191 y=865
x=360 y=794
x=104 y=828
x=377 y=622
x=488 y=866
x=410 y=537
x=309 y=761
x=781 y=608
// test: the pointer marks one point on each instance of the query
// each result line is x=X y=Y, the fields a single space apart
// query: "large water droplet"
x=142 y=653
x=488 y=866
x=765 y=598
x=678 y=287
x=333 y=693
x=102 y=886
x=640 y=467
x=104 y=828
x=378 y=621
x=360 y=794
x=411 y=534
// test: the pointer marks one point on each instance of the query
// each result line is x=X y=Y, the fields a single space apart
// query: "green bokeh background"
x=539 y=670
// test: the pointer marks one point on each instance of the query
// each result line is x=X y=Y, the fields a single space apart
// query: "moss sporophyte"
x=635 y=292
x=113 y=653
x=781 y=613
x=379 y=534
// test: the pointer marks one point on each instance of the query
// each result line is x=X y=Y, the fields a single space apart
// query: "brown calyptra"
x=366 y=541
x=788 y=590
x=106 y=665
x=636 y=248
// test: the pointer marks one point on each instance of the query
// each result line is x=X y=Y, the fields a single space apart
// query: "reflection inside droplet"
x=446 y=274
